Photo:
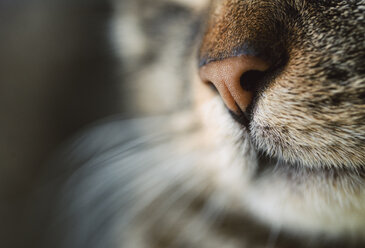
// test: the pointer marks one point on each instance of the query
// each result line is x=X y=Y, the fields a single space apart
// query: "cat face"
x=277 y=148
x=292 y=74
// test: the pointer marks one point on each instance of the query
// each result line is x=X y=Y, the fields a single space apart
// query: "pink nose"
x=226 y=74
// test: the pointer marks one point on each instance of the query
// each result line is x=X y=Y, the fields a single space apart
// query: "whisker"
x=273 y=236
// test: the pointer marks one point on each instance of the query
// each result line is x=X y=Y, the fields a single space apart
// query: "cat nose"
x=235 y=79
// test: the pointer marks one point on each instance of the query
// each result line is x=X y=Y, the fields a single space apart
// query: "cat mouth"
x=297 y=176
x=297 y=171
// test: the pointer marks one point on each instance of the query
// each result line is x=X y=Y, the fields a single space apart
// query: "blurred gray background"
x=57 y=74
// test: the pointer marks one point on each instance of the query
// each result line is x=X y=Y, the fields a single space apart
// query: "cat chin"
x=306 y=201
x=317 y=200
x=298 y=199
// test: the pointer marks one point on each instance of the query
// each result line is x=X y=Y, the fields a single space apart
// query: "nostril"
x=251 y=80
x=234 y=79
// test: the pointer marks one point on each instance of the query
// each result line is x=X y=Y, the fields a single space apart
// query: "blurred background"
x=57 y=74
x=67 y=63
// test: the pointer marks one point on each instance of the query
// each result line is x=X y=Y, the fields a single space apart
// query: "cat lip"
x=244 y=118
x=241 y=118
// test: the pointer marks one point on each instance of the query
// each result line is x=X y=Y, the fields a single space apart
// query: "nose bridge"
x=226 y=74
x=252 y=28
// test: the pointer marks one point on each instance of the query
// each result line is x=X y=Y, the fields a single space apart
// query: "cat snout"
x=235 y=79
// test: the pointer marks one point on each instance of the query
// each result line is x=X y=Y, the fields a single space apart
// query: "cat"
x=248 y=131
